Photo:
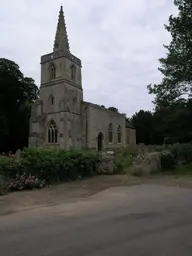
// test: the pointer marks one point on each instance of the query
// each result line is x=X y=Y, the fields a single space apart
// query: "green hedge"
x=52 y=165
x=182 y=152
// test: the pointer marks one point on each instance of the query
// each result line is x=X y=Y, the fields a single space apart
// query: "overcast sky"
x=118 y=41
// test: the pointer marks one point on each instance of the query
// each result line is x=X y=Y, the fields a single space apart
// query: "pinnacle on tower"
x=61 y=42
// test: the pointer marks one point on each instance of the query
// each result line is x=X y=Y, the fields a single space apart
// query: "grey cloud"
x=119 y=44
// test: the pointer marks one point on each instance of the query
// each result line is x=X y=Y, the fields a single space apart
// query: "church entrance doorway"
x=100 y=141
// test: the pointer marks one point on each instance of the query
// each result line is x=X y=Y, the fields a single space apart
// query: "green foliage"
x=183 y=169
x=173 y=96
x=179 y=159
x=143 y=123
x=177 y=66
x=123 y=161
x=60 y=165
x=3 y=183
x=165 y=125
x=51 y=165
x=183 y=152
x=21 y=91
x=9 y=166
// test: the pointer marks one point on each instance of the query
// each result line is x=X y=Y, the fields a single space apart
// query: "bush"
x=182 y=152
x=167 y=161
x=123 y=161
x=37 y=167
x=60 y=165
x=2 y=185
x=25 y=181
x=9 y=166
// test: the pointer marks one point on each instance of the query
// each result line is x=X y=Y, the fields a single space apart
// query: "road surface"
x=138 y=220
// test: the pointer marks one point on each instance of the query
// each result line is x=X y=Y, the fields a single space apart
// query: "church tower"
x=55 y=119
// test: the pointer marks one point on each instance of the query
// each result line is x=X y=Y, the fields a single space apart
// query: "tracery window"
x=52 y=132
x=53 y=71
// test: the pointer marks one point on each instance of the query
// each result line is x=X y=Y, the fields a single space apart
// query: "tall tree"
x=176 y=67
x=143 y=123
x=17 y=93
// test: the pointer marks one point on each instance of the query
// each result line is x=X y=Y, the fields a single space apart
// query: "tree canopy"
x=17 y=93
x=176 y=67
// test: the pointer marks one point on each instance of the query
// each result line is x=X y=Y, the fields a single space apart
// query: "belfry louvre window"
x=52 y=71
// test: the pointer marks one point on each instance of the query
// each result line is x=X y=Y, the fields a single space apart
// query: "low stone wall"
x=149 y=163
x=141 y=148
x=146 y=163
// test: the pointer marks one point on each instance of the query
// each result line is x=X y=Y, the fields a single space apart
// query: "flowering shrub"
x=38 y=167
x=106 y=167
x=25 y=181
x=20 y=182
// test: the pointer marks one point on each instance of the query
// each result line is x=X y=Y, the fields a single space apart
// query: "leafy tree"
x=17 y=93
x=176 y=67
x=143 y=123
x=172 y=122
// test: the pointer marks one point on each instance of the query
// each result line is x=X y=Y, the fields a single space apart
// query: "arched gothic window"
x=52 y=132
x=119 y=134
x=52 y=71
x=73 y=72
x=110 y=133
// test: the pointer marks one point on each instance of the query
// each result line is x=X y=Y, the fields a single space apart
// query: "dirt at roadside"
x=74 y=191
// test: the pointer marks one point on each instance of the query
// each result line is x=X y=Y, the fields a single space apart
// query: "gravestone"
x=18 y=153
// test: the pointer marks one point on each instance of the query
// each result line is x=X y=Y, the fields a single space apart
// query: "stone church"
x=60 y=118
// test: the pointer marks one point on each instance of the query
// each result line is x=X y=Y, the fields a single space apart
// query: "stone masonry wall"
x=99 y=121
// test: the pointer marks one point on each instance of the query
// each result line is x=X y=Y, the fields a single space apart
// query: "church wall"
x=99 y=121
x=131 y=136
x=68 y=126
x=73 y=131
x=85 y=124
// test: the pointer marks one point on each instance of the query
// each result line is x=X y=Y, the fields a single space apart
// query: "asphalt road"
x=139 y=220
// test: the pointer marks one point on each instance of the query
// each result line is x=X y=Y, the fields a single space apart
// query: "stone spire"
x=61 y=42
